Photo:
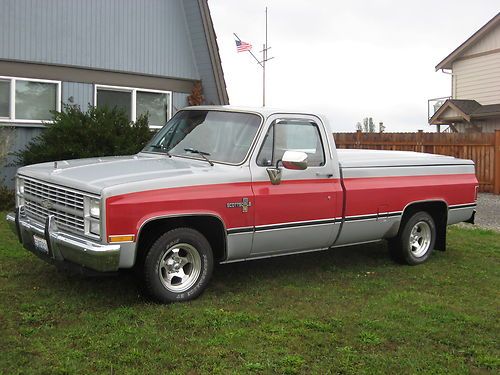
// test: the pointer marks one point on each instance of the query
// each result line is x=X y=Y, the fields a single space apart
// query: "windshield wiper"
x=201 y=153
x=162 y=148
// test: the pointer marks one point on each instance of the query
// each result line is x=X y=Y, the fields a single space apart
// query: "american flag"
x=242 y=46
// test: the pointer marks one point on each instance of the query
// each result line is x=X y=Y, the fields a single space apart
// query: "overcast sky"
x=347 y=59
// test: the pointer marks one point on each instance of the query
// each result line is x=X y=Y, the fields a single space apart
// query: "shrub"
x=74 y=134
x=7 y=198
x=6 y=195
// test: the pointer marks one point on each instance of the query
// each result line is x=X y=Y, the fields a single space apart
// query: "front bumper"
x=64 y=247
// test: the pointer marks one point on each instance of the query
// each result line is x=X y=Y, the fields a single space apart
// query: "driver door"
x=299 y=213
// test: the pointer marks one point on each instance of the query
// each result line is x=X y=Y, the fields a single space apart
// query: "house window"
x=136 y=102
x=4 y=99
x=28 y=100
x=114 y=98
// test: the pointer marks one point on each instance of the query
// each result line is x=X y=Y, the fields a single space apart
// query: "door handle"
x=327 y=175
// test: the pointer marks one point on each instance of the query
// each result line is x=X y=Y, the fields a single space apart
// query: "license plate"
x=40 y=244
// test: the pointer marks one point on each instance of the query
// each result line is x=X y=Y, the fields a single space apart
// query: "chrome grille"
x=42 y=200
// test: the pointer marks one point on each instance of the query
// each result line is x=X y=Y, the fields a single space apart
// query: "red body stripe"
x=126 y=213
x=392 y=194
x=298 y=200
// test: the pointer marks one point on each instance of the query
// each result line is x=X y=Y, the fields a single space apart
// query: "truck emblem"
x=46 y=204
x=244 y=204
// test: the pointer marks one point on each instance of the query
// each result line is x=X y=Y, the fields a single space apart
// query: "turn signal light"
x=127 y=238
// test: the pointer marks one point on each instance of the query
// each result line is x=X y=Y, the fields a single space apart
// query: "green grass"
x=348 y=311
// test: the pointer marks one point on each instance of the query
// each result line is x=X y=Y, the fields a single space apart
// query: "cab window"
x=293 y=135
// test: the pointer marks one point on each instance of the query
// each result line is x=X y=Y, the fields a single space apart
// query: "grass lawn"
x=349 y=311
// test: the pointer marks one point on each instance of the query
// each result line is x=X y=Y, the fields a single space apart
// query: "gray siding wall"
x=200 y=48
x=179 y=101
x=153 y=37
x=141 y=36
x=77 y=93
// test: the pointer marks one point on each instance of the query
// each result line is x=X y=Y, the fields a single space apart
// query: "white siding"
x=489 y=42
x=450 y=113
x=478 y=78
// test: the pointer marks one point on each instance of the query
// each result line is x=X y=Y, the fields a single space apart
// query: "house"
x=139 y=55
x=474 y=104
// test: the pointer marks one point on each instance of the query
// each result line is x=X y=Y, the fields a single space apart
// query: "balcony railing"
x=434 y=104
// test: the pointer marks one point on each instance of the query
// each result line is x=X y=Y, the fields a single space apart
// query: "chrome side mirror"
x=296 y=160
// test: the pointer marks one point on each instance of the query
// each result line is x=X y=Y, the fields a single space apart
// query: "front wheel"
x=178 y=266
x=416 y=239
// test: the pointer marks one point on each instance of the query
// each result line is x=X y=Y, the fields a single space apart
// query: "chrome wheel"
x=179 y=267
x=420 y=239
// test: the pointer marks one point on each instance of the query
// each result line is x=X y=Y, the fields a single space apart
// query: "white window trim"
x=133 y=91
x=12 y=115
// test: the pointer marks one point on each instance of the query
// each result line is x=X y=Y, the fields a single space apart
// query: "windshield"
x=219 y=136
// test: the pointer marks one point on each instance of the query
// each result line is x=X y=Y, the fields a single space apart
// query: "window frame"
x=133 y=99
x=12 y=103
x=284 y=119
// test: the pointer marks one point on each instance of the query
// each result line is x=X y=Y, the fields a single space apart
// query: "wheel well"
x=210 y=226
x=439 y=213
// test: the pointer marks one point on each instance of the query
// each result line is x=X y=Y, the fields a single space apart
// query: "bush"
x=74 y=134
x=7 y=198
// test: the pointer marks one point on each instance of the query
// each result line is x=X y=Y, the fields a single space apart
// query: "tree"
x=196 y=97
x=368 y=126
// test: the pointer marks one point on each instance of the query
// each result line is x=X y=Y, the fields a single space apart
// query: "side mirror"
x=296 y=160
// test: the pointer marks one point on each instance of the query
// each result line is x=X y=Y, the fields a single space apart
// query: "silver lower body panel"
x=64 y=247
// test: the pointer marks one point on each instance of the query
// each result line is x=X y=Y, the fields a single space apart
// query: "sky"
x=346 y=59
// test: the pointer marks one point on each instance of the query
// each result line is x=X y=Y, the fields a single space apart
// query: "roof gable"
x=447 y=62
x=463 y=110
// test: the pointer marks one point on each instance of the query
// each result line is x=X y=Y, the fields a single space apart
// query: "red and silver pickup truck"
x=226 y=184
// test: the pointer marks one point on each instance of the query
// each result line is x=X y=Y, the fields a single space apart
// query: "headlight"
x=95 y=208
x=19 y=192
x=92 y=211
x=20 y=186
x=95 y=227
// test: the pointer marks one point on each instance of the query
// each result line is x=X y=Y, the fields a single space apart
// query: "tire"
x=415 y=241
x=178 y=266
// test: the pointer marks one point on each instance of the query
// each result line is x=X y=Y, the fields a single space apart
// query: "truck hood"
x=93 y=175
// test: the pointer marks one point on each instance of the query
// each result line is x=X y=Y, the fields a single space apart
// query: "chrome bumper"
x=63 y=246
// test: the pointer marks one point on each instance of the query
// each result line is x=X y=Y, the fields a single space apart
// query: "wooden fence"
x=483 y=148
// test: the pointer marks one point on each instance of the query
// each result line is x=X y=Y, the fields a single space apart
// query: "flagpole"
x=264 y=58
x=262 y=62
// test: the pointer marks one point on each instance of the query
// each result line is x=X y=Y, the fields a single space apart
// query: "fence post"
x=496 y=186
x=420 y=145
x=358 y=138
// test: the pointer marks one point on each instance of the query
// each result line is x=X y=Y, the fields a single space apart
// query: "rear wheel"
x=416 y=239
x=178 y=266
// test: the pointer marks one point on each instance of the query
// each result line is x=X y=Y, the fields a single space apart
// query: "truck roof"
x=264 y=111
